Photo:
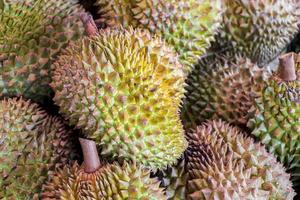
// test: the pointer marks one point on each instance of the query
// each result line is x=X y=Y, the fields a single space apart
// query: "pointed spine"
x=1 y=5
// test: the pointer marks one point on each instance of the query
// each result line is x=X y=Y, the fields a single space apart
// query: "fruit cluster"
x=149 y=100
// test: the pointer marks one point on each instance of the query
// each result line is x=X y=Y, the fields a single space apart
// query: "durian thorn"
x=89 y=24
x=286 y=70
x=1 y=4
x=90 y=155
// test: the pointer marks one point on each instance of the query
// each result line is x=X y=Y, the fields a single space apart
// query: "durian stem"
x=90 y=155
x=89 y=24
x=287 y=71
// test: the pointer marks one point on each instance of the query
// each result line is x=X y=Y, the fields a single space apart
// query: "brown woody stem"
x=89 y=24
x=90 y=155
x=287 y=71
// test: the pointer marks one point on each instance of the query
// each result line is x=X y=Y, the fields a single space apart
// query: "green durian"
x=98 y=180
x=260 y=29
x=276 y=120
x=32 y=34
x=221 y=87
x=187 y=25
x=224 y=163
x=31 y=143
x=123 y=89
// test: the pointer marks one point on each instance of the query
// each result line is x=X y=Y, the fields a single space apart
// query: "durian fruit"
x=259 y=29
x=31 y=143
x=188 y=25
x=221 y=87
x=277 y=114
x=32 y=33
x=223 y=163
x=123 y=89
x=98 y=180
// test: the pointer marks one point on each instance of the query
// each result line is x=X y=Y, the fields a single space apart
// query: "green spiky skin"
x=123 y=89
x=32 y=33
x=221 y=88
x=32 y=143
x=277 y=123
x=110 y=182
x=174 y=179
x=223 y=163
x=259 y=30
x=188 y=25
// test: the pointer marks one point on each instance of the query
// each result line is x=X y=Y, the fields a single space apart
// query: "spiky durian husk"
x=223 y=163
x=221 y=87
x=123 y=88
x=111 y=182
x=32 y=142
x=259 y=30
x=188 y=25
x=276 y=121
x=174 y=180
x=32 y=33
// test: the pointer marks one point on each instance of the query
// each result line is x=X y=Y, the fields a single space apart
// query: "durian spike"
x=89 y=24
x=90 y=155
x=287 y=71
x=1 y=4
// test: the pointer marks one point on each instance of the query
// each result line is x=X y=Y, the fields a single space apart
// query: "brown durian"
x=221 y=87
x=224 y=163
